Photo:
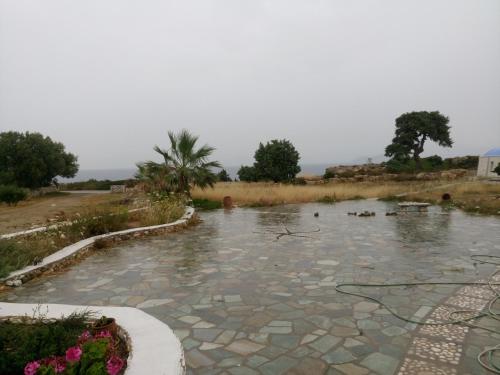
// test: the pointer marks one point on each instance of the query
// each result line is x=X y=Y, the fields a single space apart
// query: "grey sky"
x=109 y=78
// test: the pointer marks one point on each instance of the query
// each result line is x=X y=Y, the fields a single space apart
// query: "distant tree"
x=497 y=169
x=223 y=176
x=248 y=174
x=183 y=165
x=155 y=176
x=277 y=160
x=413 y=130
x=32 y=160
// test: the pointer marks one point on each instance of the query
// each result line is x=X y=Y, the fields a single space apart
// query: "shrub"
x=95 y=222
x=248 y=174
x=497 y=169
x=162 y=210
x=329 y=174
x=12 y=194
x=299 y=181
x=21 y=343
x=328 y=199
x=206 y=204
x=223 y=176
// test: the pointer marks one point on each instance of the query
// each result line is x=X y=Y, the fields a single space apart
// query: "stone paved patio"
x=244 y=303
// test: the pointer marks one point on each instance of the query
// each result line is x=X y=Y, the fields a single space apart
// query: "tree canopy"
x=32 y=160
x=413 y=129
x=223 y=176
x=497 y=169
x=183 y=165
x=277 y=161
x=248 y=174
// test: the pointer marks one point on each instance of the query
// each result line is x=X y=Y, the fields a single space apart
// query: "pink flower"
x=31 y=368
x=73 y=354
x=85 y=336
x=58 y=363
x=103 y=334
x=114 y=365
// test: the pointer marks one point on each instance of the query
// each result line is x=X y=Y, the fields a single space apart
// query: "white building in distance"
x=488 y=162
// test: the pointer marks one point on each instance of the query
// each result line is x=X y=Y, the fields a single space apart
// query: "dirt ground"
x=40 y=211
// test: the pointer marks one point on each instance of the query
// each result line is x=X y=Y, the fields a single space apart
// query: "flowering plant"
x=92 y=354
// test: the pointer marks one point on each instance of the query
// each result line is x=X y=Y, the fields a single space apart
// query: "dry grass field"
x=268 y=194
x=39 y=211
x=480 y=197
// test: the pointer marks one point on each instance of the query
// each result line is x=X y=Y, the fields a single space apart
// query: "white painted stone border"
x=48 y=227
x=155 y=348
x=15 y=278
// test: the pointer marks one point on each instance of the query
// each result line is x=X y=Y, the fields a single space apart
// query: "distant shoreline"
x=126 y=173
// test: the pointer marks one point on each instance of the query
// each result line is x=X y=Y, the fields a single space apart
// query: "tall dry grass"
x=478 y=196
x=268 y=194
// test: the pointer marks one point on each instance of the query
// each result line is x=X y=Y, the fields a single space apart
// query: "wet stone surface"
x=245 y=303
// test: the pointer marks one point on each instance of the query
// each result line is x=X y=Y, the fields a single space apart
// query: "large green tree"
x=248 y=174
x=277 y=160
x=184 y=165
x=32 y=160
x=413 y=129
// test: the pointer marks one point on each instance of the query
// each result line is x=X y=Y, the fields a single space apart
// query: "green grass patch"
x=330 y=199
x=206 y=204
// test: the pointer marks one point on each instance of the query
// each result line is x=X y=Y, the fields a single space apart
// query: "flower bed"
x=67 y=346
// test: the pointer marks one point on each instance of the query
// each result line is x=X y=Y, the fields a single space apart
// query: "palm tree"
x=184 y=166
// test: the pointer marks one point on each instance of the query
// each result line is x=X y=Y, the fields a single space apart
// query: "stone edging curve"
x=26 y=232
x=155 y=348
x=69 y=252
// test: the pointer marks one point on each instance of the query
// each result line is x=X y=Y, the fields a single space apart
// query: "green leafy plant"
x=497 y=169
x=21 y=343
x=32 y=160
x=206 y=204
x=183 y=165
x=413 y=129
x=12 y=194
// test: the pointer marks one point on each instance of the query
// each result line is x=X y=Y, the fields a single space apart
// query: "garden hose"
x=485 y=358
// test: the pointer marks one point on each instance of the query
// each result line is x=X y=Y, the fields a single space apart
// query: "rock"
x=316 y=214
x=14 y=283
x=391 y=213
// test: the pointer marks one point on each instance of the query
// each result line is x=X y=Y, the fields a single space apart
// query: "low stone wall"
x=69 y=254
x=155 y=348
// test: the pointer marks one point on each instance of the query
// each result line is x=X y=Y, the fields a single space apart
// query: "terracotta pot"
x=227 y=202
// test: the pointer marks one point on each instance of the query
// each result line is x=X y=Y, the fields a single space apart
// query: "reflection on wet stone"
x=242 y=303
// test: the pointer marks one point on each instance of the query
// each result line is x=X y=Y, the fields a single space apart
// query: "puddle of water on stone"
x=243 y=302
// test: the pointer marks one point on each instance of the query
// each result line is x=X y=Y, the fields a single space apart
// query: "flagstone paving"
x=243 y=302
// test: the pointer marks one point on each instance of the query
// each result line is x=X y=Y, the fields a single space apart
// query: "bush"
x=248 y=174
x=12 y=194
x=329 y=174
x=22 y=343
x=206 y=204
x=299 y=181
x=162 y=211
x=223 y=176
x=497 y=169
x=95 y=222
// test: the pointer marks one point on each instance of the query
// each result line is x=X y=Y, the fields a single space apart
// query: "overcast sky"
x=109 y=78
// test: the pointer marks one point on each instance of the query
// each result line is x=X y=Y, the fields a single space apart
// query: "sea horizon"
x=127 y=173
